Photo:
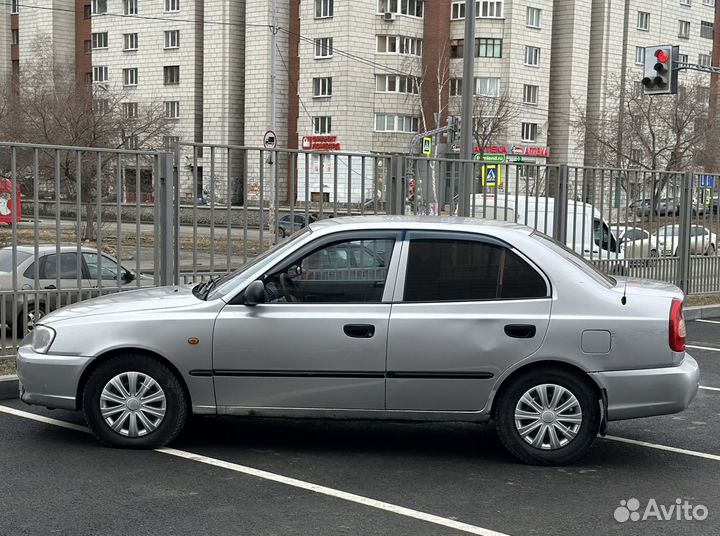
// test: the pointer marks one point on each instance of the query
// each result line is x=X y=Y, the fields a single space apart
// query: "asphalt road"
x=255 y=476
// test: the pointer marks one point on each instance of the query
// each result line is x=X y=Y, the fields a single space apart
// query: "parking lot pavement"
x=57 y=480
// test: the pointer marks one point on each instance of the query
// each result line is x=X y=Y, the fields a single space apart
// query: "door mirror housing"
x=254 y=294
x=128 y=276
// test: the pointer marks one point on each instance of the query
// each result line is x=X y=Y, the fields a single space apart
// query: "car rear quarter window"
x=441 y=270
x=6 y=264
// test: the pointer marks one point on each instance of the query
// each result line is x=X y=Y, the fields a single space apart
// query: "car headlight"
x=42 y=339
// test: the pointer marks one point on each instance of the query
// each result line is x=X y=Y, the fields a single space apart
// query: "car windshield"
x=6 y=264
x=228 y=282
x=579 y=261
x=669 y=231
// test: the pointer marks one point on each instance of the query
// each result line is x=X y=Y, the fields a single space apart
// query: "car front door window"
x=108 y=267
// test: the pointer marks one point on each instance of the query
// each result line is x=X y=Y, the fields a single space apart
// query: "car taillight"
x=677 y=326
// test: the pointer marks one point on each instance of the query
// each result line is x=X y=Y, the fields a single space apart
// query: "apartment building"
x=363 y=77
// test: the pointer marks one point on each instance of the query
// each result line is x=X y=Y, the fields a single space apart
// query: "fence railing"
x=82 y=222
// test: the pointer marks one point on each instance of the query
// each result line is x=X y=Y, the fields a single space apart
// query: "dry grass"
x=702 y=299
x=7 y=366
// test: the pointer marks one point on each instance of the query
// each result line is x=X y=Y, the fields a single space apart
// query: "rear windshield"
x=6 y=264
x=669 y=231
x=579 y=261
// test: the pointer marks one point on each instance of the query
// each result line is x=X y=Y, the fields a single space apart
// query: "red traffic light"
x=662 y=56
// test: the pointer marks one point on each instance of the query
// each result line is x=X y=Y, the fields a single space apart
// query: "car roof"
x=418 y=223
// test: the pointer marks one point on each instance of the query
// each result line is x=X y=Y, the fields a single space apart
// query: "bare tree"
x=656 y=136
x=53 y=108
x=490 y=116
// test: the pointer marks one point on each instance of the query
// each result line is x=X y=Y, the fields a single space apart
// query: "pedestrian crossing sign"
x=427 y=146
x=492 y=175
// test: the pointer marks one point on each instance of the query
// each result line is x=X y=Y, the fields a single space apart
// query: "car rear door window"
x=67 y=266
x=466 y=270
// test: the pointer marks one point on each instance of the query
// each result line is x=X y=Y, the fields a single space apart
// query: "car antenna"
x=623 y=300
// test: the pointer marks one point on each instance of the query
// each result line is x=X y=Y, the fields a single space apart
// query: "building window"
x=172 y=5
x=532 y=56
x=684 y=31
x=706 y=29
x=172 y=109
x=705 y=60
x=15 y=37
x=131 y=142
x=324 y=47
x=488 y=48
x=130 y=7
x=396 y=123
x=398 y=44
x=101 y=106
x=390 y=83
x=487 y=87
x=100 y=74
x=684 y=2
x=14 y=7
x=99 y=7
x=322 y=87
x=323 y=9
x=130 y=76
x=171 y=75
x=88 y=78
x=87 y=11
x=322 y=124
x=456 y=87
x=643 y=21
x=87 y=44
x=15 y=68
x=130 y=110
x=130 y=41
x=491 y=9
x=533 y=17
x=411 y=8
x=456 y=48
x=457 y=9
x=709 y=3
x=639 y=55
x=530 y=94
x=100 y=40
x=170 y=142
x=529 y=131
x=172 y=39
x=683 y=58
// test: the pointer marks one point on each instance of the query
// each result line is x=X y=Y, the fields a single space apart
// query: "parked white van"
x=586 y=232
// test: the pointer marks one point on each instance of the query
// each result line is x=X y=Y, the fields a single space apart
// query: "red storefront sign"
x=7 y=207
x=520 y=150
x=320 y=143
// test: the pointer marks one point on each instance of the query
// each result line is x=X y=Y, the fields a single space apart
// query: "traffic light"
x=660 y=73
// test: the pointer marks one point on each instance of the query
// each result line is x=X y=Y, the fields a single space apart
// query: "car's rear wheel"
x=134 y=401
x=547 y=418
x=281 y=232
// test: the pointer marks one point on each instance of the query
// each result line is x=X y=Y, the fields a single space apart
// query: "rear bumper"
x=49 y=380
x=648 y=392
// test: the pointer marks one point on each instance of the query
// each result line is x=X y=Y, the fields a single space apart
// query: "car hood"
x=130 y=301
x=648 y=287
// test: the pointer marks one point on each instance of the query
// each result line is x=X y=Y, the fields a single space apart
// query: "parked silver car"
x=434 y=319
x=69 y=272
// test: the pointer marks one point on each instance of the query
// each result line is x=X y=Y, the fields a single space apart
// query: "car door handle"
x=359 y=331
x=520 y=331
x=50 y=287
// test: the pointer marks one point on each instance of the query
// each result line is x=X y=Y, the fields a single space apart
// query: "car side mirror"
x=128 y=276
x=254 y=294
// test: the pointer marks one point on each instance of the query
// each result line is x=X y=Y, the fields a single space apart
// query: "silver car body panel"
x=293 y=359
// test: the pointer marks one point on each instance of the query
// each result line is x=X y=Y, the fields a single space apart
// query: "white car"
x=702 y=240
x=638 y=243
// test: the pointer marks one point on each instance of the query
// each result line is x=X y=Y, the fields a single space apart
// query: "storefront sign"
x=320 y=143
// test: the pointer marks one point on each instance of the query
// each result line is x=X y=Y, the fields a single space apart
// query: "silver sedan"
x=382 y=318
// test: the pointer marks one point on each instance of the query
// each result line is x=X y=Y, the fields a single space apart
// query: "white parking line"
x=676 y=450
x=704 y=348
x=309 y=486
x=708 y=321
x=710 y=388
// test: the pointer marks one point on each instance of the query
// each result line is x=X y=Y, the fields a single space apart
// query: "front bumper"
x=648 y=392
x=49 y=380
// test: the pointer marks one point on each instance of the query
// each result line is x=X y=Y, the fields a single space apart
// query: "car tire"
x=27 y=319
x=710 y=250
x=157 y=422
x=281 y=232
x=566 y=448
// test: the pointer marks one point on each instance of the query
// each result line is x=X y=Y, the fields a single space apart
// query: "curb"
x=701 y=311
x=9 y=387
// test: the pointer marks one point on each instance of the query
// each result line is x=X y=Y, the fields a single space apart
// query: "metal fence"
x=96 y=221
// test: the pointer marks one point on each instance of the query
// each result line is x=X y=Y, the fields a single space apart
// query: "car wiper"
x=207 y=287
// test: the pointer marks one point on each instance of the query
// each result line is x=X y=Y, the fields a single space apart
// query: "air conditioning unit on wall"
x=389 y=16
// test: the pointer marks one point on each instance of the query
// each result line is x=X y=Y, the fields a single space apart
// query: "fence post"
x=167 y=217
x=561 y=205
x=683 y=271
x=396 y=188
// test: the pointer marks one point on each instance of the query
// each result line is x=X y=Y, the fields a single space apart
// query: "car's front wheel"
x=134 y=401
x=547 y=418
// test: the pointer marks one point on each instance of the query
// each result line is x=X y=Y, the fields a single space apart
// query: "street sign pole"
x=466 y=178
